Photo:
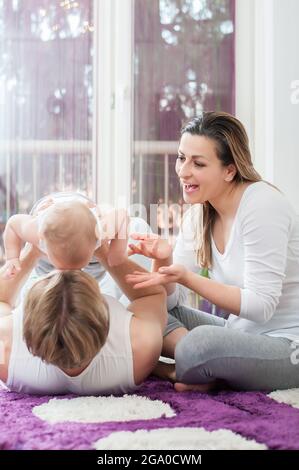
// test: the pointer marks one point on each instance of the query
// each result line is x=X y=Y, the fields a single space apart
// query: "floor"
x=155 y=417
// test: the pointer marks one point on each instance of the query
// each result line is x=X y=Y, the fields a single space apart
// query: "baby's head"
x=68 y=231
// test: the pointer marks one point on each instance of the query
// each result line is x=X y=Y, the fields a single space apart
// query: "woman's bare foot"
x=165 y=371
x=203 y=388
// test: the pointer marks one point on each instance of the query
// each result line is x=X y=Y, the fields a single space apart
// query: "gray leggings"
x=244 y=361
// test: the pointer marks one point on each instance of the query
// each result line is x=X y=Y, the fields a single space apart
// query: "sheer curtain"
x=46 y=94
x=184 y=63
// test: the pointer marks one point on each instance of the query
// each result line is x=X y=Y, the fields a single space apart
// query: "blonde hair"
x=66 y=319
x=69 y=231
x=232 y=147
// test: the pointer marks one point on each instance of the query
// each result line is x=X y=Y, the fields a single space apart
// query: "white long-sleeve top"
x=261 y=258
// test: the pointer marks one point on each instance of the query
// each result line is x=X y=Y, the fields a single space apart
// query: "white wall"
x=244 y=47
x=286 y=113
x=113 y=101
x=267 y=65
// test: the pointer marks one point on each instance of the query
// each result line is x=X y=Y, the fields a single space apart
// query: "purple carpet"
x=252 y=415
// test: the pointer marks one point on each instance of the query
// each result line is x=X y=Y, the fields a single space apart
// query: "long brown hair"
x=66 y=319
x=232 y=147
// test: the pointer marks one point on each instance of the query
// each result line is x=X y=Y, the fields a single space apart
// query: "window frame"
x=114 y=85
x=254 y=80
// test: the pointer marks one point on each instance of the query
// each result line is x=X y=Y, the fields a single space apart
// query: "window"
x=183 y=64
x=46 y=95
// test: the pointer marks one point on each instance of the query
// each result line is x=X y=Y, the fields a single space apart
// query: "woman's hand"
x=151 y=246
x=165 y=275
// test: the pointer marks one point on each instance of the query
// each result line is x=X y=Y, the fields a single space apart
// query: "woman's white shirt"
x=261 y=257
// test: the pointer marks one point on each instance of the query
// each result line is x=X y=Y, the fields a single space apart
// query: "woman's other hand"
x=165 y=275
x=150 y=245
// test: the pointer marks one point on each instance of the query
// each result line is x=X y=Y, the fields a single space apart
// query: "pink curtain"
x=46 y=95
x=184 y=63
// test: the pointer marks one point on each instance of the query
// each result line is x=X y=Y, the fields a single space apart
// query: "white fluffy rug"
x=177 y=438
x=289 y=397
x=102 y=409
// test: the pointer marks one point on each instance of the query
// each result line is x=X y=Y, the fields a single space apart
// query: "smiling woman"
x=256 y=282
x=213 y=152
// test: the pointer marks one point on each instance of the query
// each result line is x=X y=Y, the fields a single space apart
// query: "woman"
x=247 y=235
x=68 y=338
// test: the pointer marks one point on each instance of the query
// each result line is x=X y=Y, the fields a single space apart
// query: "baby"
x=67 y=230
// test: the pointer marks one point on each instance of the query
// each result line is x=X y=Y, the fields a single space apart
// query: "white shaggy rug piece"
x=102 y=409
x=177 y=438
x=289 y=397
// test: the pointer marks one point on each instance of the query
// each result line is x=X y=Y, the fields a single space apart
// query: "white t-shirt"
x=110 y=371
x=261 y=257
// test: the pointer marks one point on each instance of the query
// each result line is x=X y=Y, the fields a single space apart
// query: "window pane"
x=46 y=100
x=183 y=64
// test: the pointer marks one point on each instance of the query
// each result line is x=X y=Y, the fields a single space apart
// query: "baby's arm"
x=19 y=229
x=115 y=227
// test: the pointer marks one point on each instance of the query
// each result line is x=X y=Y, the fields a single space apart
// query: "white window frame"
x=112 y=132
x=113 y=86
x=254 y=79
